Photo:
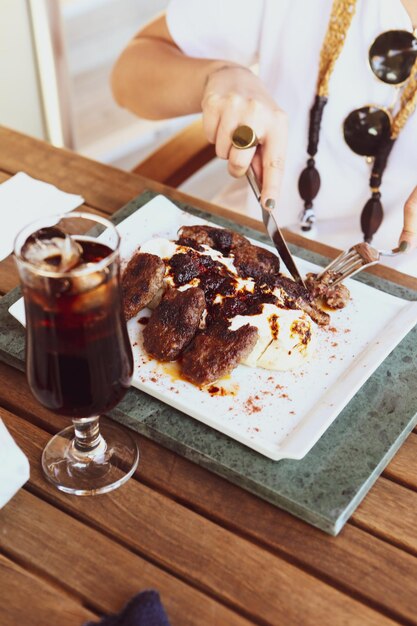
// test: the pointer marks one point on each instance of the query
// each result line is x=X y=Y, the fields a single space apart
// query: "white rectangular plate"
x=279 y=414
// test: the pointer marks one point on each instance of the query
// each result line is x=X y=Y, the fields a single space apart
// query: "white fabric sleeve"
x=217 y=29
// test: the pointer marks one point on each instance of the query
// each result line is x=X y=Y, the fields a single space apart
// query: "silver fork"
x=354 y=260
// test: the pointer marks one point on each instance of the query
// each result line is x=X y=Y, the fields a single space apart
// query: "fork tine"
x=332 y=264
x=352 y=257
x=348 y=272
x=350 y=266
x=351 y=262
x=340 y=261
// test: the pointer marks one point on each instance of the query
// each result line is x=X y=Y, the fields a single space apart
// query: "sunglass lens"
x=366 y=129
x=392 y=56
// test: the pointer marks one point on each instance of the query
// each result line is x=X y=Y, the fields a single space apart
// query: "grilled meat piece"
x=173 y=323
x=250 y=261
x=217 y=351
x=292 y=290
x=335 y=297
x=317 y=315
x=255 y=262
x=296 y=296
x=220 y=239
x=185 y=266
x=142 y=278
x=211 y=276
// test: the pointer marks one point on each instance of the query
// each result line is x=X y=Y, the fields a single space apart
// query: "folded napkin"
x=145 y=609
x=14 y=466
x=24 y=199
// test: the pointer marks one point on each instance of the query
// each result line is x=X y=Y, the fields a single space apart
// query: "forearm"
x=155 y=80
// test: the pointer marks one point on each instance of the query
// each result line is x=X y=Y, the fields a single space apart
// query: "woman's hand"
x=234 y=96
x=408 y=237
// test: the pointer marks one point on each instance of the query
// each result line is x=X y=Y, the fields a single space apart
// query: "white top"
x=284 y=38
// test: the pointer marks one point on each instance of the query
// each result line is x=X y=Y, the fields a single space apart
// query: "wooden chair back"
x=180 y=157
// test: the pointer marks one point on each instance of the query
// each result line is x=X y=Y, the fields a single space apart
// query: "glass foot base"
x=103 y=469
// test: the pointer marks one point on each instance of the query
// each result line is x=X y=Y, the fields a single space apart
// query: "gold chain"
x=407 y=104
x=340 y=19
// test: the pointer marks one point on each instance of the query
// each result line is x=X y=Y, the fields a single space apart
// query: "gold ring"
x=244 y=137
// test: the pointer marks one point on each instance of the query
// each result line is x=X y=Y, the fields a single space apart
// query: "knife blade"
x=274 y=231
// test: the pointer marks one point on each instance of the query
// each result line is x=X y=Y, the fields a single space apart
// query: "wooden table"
x=217 y=555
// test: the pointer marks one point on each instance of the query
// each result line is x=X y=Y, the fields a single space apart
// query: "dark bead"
x=367 y=130
x=308 y=205
x=311 y=162
x=380 y=163
x=376 y=195
x=316 y=114
x=371 y=218
x=309 y=183
x=392 y=55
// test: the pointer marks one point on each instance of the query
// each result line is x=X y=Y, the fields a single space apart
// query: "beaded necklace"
x=309 y=182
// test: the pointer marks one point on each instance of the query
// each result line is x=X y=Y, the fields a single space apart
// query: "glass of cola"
x=78 y=356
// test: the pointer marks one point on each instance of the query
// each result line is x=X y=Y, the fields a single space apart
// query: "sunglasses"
x=391 y=58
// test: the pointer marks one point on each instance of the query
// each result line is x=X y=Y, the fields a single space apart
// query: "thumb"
x=409 y=232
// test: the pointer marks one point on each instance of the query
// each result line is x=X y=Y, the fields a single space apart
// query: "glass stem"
x=87 y=434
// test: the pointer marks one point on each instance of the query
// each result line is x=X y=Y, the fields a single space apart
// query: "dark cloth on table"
x=145 y=609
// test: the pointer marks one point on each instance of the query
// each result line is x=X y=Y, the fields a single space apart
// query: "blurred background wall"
x=20 y=98
x=55 y=61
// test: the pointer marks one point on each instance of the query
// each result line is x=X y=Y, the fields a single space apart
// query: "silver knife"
x=274 y=231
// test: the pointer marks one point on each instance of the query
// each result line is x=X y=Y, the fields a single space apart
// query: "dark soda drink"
x=79 y=360
x=78 y=356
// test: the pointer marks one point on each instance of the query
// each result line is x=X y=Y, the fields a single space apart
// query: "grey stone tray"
x=325 y=486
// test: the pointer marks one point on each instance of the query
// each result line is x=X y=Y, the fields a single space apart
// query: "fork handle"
x=394 y=252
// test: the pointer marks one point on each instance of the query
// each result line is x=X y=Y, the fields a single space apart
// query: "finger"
x=252 y=115
x=239 y=161
x=409 y=232
x=211 y=116
x=273 y=159
x=229 y=120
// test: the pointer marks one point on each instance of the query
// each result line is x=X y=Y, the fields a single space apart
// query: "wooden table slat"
x=364 y=556
x=99 y=570
x=403 y=467
x=25 y=600
x=9 y=277
x=389 y=511
x=180 y=539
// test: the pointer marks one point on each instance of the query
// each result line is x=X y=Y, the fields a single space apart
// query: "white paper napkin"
x=14 y=466
x=23 y=199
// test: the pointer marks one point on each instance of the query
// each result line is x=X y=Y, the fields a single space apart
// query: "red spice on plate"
x=251 y=407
